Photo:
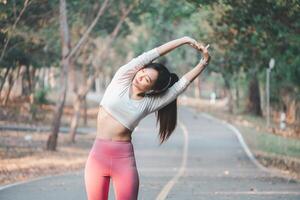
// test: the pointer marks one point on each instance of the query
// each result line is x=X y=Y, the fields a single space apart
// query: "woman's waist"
x=113 y=133
x=104 y=147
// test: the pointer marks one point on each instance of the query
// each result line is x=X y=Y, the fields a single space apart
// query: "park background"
x=58 y=55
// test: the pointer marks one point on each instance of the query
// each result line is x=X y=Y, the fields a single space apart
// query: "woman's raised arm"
x=193 y=73
x=171 y=45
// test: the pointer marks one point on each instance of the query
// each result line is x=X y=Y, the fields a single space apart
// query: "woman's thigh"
x=96 y=178
x=125 y=178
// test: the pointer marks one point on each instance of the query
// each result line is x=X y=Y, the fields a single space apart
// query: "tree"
x=249 y=33
x=21 y=49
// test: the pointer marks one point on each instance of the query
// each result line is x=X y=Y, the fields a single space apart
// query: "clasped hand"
x=203 y=49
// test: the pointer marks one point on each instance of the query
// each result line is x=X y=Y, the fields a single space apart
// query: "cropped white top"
x=128 y=111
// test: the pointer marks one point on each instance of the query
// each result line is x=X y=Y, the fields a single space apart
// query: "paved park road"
x=203 y=159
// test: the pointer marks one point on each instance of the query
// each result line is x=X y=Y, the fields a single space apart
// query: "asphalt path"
x=203 y=159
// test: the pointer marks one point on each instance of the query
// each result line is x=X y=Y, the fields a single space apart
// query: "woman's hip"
x=104 y=148
x=111 y=157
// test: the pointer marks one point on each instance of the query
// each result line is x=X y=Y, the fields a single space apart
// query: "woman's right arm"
x=171 y=45
x=197 y=70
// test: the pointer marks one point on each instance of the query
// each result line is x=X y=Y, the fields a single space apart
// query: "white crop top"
x=130 y=111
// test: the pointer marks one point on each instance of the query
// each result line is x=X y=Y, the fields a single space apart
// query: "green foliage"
x=27 y=42
x=249 y=33
x=244 y=35
x=40 y=96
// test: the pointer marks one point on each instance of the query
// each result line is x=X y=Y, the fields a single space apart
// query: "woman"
x=137 y=89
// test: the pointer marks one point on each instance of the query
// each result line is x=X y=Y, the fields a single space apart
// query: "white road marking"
x=246 y=148
x=240 y=138
x=252 y=193
x=167 y=188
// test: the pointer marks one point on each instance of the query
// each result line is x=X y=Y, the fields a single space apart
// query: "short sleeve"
x=157 y=102
x=126 y=72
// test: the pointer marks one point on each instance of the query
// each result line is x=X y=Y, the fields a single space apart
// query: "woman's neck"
x=136 y=92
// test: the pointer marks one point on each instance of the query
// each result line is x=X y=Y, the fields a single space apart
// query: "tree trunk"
x=4 y=79
x=85 y=76
x=10 y=84
x=33 y=79
x=28 y=74
x=230 y=101
x=77 y=99
x=75 y=118
x=12 y=80
x=52 y=139
x=253 y=105
x=237 y=95
x=291 y=112
x=229 y=95
x=65 y=40
x=289 y=99
x=85 y=111
x=297 y=115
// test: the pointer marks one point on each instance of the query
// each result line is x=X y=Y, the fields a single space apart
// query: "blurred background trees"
x=104 y=34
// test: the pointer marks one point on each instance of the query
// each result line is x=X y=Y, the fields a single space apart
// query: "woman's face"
x=145 y=78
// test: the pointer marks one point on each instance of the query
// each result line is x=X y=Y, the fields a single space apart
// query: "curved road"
x=203 y=159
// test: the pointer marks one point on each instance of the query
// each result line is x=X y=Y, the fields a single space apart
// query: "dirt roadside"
x=22 y=159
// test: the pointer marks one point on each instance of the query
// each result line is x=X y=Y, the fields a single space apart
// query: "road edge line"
x=240 y=139
x=247 y=149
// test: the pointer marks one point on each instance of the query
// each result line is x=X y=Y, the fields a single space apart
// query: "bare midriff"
x=109 y=128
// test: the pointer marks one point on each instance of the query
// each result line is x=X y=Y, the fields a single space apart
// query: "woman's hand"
x=203 y=49
x=206 y=57
x=194 y=73
x=192 y=42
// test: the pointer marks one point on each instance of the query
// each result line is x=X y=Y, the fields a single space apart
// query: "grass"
x=270 y=143
x=258 y=137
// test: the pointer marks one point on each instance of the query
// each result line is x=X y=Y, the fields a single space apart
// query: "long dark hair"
x=166 y=116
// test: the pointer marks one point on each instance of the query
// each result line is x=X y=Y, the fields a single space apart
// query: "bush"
x=40 y=96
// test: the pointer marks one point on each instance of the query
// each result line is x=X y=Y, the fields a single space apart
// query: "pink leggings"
x=111 y=159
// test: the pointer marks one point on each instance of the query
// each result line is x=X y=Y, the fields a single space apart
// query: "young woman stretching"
x=137 y=89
